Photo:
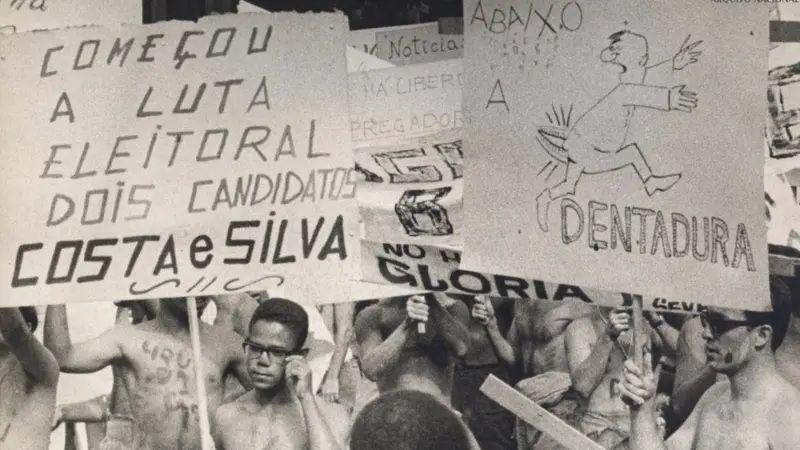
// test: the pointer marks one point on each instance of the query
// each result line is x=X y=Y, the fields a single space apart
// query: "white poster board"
x=26 y=15
x=611 y=146
x=177 y=159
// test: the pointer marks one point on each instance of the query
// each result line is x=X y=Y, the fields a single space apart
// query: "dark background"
x=362 y=13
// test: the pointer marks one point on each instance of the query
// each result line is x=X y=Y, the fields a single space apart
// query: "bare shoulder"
x=368 y=318
x=227 y=413
x=582 y=327
x=784 y=415
x=221 y=337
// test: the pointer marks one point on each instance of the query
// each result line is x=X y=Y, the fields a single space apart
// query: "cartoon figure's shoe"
x=660 y=183
x=542 y=208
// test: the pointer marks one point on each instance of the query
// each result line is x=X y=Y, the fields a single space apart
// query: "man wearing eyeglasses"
x=757 y=409
x=281 y=412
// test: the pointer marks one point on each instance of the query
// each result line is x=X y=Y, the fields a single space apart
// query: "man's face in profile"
x=625 y=49
x=728 y=339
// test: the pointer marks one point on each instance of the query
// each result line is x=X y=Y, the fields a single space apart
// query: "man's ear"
x=643 y=60
x=762 y=336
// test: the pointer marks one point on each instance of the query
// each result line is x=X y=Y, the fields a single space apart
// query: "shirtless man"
x=757 y=409
x=597 y=347
x=535 y=341
x=156 y=364
x=491 y=424
x=396 y=355
x=597 y=142
x=107 y=418
x=281 y=412
x=28 y=380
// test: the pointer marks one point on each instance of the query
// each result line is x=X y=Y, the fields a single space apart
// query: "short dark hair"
x=778 y=318
x=30 y=316
x=407 y=420
x=285 y=312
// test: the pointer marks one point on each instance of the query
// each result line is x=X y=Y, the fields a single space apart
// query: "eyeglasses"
x=255 y=351
x=719 y=325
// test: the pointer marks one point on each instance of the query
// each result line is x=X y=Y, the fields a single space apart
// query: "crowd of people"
x=406 y=373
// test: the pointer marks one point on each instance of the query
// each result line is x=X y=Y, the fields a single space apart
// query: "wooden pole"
x=639 y=330
x=536 y=416
x=200 y=379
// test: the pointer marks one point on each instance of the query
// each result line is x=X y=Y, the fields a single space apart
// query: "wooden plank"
x=536 y=416
x=639 y=330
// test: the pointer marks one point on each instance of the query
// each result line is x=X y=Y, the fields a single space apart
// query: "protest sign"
x=611 y=146
x=417 y=44
x=25 y=15
x=403 y=102
x=411 y=191
x=177 y=159
x=408 y=44
x=429 y=268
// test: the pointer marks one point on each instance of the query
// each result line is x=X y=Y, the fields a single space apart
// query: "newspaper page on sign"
x=177 y=159
x=612 y=147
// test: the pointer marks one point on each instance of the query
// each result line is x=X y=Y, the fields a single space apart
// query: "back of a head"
x=781 y=299
x=285 y=312
x=407 y=420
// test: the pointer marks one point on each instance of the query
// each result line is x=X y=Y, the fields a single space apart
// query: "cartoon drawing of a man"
x=597 y=142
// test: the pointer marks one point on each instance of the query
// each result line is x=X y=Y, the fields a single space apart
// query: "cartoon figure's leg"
x=632 y=154
x=565 y=187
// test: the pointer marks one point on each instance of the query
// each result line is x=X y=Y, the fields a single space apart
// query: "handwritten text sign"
x=402 y=102
x=176 y=159
x=25 y=15
x=611 y=148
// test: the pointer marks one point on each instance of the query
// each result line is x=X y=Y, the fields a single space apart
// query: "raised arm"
x=237 y=365
x=320 y=434
x=587 y=355
x=483 y=312
x=663 y=336
x=692 y=375
x=342 y=338
x=377 y=355
x=35 y=359
x=452 y=324
x=86 y=357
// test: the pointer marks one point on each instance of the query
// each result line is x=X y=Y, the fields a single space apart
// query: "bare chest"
x=724 y=428
x=268 y=432
x=26 y=410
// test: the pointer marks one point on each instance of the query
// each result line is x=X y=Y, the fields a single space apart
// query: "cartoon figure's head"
x=626 y=49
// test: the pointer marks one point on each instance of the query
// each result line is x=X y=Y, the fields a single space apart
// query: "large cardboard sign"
x=177 y=159
x=435 y=269
x=25 y=15
x=611 y=146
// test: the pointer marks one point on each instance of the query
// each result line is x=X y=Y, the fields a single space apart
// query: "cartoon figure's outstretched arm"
x=687 y=54
x=676 y=98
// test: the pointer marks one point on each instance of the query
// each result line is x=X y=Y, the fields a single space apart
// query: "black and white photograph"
x=399 y=224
